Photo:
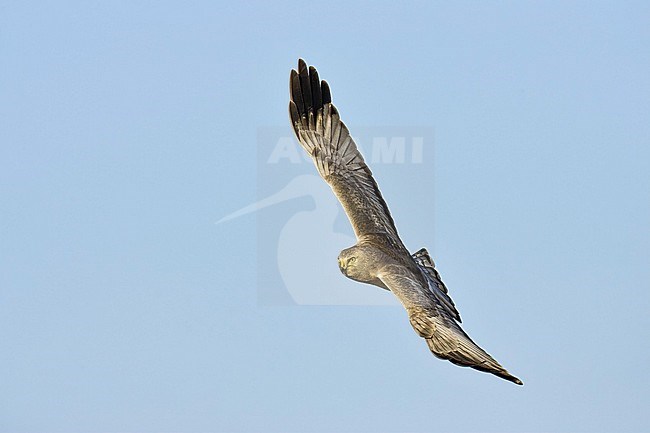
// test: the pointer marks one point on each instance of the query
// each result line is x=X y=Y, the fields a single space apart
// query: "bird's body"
x=379 y=257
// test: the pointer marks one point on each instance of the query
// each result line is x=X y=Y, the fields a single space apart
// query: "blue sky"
x=128 y=128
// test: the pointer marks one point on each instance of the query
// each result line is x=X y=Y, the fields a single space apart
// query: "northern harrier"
x=379 y=257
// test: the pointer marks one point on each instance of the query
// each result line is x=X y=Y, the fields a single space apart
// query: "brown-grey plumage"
x=379 y=257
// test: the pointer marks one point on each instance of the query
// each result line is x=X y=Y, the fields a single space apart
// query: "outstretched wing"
x=433 y=322
x=325 y=137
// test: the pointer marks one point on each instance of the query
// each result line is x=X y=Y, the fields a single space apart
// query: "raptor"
x=379 y=257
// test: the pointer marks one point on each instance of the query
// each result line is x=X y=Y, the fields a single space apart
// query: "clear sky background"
x=128 y=128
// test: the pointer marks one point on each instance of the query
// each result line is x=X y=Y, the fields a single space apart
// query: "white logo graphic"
x=298 y=248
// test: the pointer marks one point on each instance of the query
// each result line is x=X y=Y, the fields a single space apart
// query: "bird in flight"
x=379 y=257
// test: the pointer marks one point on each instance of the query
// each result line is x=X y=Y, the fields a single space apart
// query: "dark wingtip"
x=503 y=374
x=305 y=85
x=327 y=95
x=307 y=91
x=293 y=112
x=511 y=378
x=314 y=83
x=294 y=116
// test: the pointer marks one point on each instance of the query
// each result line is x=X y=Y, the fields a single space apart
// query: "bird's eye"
x=352 y=260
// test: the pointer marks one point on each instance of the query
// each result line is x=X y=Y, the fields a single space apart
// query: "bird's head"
x=357 y=263
x=347 y=259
